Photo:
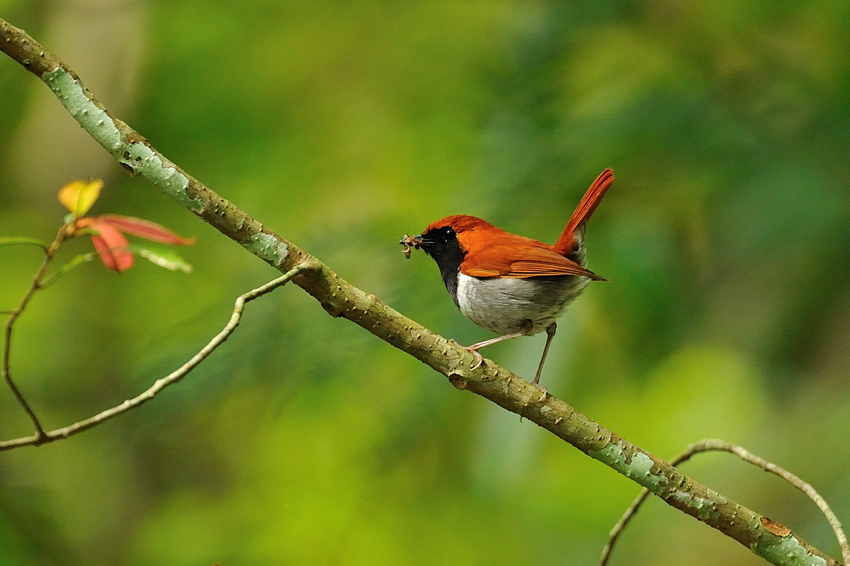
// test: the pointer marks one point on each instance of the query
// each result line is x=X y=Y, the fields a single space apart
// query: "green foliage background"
x=342 y=126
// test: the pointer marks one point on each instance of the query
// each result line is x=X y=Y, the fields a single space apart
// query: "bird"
x=506 y=283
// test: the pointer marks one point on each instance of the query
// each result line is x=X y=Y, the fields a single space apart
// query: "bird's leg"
x=550 y=333
x=496 y=340
x=526 y=328
x=479 y=359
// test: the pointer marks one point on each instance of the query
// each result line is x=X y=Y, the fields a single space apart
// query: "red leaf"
x=144 y=229
x=111 y=245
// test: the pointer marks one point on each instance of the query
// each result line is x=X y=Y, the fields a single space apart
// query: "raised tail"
x=583 y=211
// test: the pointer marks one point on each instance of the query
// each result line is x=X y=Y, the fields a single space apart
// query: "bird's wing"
x=543 y=261
x=519 y=258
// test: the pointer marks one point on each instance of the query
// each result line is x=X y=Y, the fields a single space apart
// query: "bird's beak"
x=408 y=242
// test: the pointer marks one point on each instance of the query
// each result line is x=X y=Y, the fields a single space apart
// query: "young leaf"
x=164 y=258
x=112 y=247
x=79 y=196
x=145 y=229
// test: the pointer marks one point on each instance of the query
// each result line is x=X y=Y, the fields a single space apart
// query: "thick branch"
x=340 y=299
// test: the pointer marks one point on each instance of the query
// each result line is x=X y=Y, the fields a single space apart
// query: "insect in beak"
x=407 y=242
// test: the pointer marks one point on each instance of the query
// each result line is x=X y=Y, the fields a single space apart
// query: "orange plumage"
x=493 y=252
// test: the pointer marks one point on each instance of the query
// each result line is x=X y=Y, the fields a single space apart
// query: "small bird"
x=511 y=285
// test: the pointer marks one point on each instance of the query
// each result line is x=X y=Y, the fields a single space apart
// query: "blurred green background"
x=342 y=126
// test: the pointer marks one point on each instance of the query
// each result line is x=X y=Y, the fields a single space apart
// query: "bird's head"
x=449 y=236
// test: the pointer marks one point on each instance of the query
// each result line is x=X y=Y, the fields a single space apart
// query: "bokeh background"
x=343 y=125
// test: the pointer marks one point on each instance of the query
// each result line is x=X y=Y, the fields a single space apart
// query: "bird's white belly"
x=505 y=305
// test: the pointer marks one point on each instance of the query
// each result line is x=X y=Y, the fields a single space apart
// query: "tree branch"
x=747 y=456
x=341 y=299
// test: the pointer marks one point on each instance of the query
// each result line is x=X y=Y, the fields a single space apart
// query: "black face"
x=442 y=244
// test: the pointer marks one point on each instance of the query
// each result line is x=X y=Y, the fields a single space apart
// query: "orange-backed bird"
x=511 y=285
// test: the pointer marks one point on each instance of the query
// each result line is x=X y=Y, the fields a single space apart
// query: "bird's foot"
x=479 y=359
x=536 y=383
x=543 y=391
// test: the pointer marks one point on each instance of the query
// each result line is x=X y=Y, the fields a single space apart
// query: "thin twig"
x=35 y=285
x=794 y=480
x=161 y=383
x=620 y=527
x=711 y=445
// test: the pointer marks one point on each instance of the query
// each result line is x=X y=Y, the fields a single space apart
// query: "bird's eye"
x=442 y=234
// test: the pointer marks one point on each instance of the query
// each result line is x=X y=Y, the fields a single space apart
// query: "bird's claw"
x=543 y=390
x=479 y=359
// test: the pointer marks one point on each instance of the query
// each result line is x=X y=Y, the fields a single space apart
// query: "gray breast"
x=503 y=305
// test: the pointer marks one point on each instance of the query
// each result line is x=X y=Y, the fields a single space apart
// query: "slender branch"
x=720 y=446
x=620 y=527
x=805 y=487
x=164 y=382
x=341 y=299
x=35 y=285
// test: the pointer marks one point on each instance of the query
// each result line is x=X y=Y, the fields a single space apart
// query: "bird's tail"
x=575 y=227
